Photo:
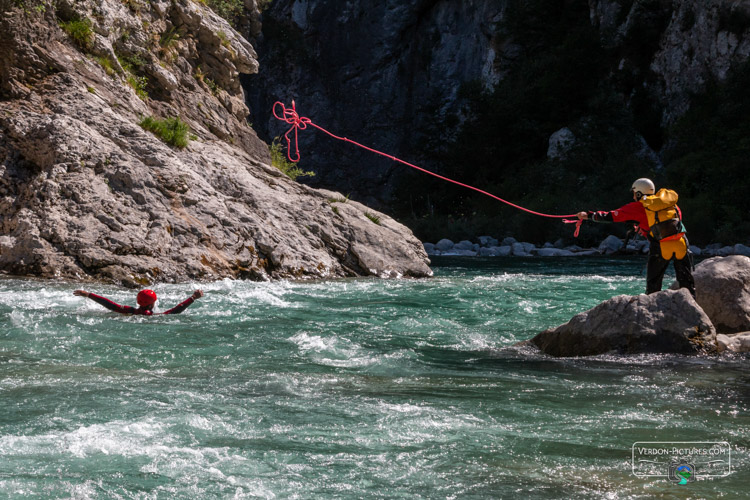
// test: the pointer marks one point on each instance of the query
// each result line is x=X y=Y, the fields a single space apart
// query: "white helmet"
x=642 y=187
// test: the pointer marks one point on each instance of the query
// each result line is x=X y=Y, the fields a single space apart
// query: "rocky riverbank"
x=672 y=321
x=487 y=246
x=126 y=156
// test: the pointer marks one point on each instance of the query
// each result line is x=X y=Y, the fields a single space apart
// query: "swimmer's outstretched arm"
x=103 y=301
x=184 y=305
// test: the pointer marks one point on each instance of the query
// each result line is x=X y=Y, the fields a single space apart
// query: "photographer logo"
x=681 y=472
x=682 y=462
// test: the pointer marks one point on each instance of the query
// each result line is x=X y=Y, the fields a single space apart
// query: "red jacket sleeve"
x=180 y=307
x=112 y=306
x=632 y=212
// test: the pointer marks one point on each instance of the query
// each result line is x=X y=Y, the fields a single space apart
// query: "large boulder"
x=560 y=143
x=722 y=289
x=444 y=245
x=610 y=245
x=487 y=241
x=464 y=245
x=664 y=322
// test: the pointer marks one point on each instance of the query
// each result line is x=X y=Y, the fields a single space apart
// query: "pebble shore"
x=487 y=246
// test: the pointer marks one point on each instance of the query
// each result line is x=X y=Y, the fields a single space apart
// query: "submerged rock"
x=664 y=322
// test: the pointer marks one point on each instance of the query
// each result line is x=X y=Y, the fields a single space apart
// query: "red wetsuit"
x=113 y=306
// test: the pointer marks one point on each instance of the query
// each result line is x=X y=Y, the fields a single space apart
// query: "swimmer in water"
x=146 y=300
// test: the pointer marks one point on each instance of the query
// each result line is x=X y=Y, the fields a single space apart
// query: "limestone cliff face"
x=86 y=192
x=381 y=73
x=387 y=74
x=695 y=41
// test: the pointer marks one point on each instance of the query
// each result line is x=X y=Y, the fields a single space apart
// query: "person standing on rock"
x=659 y=219
x=145 y=299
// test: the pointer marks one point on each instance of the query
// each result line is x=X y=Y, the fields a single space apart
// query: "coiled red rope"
x=297 y=123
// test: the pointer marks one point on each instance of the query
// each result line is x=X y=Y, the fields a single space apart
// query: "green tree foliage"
x=566 y=77
x=709 y=161
x=502 y=148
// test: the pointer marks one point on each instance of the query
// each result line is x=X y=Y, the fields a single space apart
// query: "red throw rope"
x=297 y=122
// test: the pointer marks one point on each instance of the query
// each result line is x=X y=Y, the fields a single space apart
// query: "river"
x=350 y=389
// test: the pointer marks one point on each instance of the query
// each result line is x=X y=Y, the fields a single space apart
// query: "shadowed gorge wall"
x=476 y=90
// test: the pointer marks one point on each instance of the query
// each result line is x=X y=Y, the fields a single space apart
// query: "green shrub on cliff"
x=106 y=63
x=280 y=161
x=138 y=84
x=133 y=65
x=80 y=31
x=171 y=130
x=374 y=218
x=231 y=10
x=31 y=6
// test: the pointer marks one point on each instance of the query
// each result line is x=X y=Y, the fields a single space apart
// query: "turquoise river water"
x=358 y=388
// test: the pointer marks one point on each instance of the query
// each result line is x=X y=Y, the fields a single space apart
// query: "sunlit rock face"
x=88 y=193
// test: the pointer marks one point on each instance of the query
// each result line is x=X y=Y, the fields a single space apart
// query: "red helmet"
x=146 y=298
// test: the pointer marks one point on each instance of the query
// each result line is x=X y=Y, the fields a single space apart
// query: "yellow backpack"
x=664 y=216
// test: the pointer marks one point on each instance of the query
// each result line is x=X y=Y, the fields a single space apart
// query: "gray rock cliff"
x=87 y=193
x=698 y=41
